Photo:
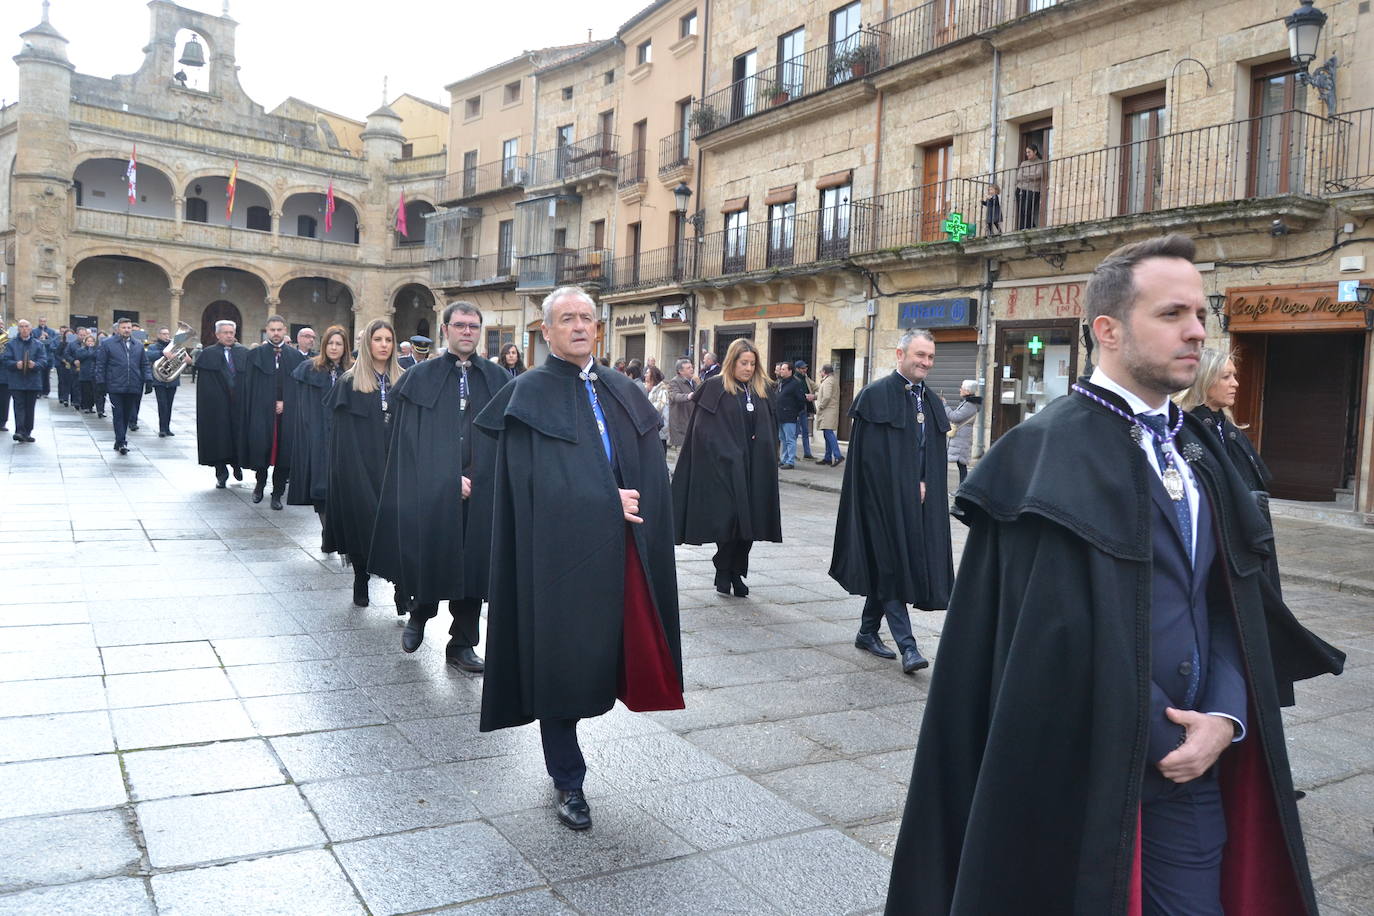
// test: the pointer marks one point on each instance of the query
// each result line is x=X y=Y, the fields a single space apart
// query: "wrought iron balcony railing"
x=510 y=174
x=574 y=161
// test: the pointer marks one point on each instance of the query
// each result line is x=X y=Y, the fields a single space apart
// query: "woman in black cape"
x=725 y=485
x=311 y=382
x=1210 y=399
x=357 y=450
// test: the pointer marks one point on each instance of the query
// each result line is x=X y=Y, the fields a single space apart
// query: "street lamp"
x=1363 y=295
x=1304 y=31
x=682 y=198
x=1217 y=302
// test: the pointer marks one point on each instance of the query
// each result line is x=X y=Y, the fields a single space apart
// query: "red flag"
x=229 y=193
x=329 y=209
x=131 y=173
x=401 y=217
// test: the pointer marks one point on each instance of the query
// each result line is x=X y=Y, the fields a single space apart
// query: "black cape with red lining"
x=887 y=544
x=1026 y=787
x=725 y=485
x=557 y=602
x=431 y=542
x=219 y=407
x=264 y=384
x=358 y=436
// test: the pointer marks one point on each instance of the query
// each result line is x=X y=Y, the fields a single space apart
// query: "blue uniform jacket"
x=86 y=356
x=154 y=354
x=17 y=350
x=123 y=370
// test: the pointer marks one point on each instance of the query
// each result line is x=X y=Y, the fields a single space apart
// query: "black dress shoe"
x=722 y=583
x=238 y=473
x=221 y=482
x=913 y=660
x=359 y=588
x=464 y=658
x=257 y=494
x=874 y=644
x=276 y=501
x=170 y=433
x=123 y=450
x=17 y=438
x=741 y=590
x=29 y=439
x=161 y=434
x=573 y=810
x=133 y=427
x=413 y=634
x=100 y=416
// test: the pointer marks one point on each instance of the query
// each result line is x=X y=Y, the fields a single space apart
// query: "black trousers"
x=963 y=469
x=47 y=383
x=124 y=407
x=165 y=396
x=4 y=406
x=23 y=411
x=562 y=754
x=280 y=474
x=732 y=558
x=64 y=384
x=100 y=399
x=898 y=621
x=87 y=389
x=133 y=413
x=1182 y=836
x=463 y=632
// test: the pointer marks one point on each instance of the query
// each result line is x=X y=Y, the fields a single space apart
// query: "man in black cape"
x=433 y=532
x=583 y=603
x=267 y=426
x=1111 y=644
x=892 y=533
x=221 y=373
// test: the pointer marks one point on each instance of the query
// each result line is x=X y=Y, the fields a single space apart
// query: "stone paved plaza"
x=197 y=721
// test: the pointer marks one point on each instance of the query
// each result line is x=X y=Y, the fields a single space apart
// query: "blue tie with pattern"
x=1160 y=425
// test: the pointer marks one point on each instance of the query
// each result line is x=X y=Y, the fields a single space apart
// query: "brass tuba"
x=172 y=362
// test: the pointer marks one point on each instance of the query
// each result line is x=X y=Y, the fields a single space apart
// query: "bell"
x=192 y=55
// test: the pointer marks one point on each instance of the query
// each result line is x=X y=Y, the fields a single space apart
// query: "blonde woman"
x=312 y=423
x=725 y=485
x=358 y=404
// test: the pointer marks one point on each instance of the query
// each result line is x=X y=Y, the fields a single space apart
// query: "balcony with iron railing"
x=650 y=269
x=632 y=182
x=510 y=174
x=675 y=157
x=568 y=266
x=592 y=158
x=472 y=272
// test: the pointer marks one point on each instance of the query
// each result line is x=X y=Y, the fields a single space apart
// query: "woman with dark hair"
x=725 y=485
x=510 y=361
x=357 y=450
x=635 y=370
x=658 y=396
x=311 y=382
x=1030 y=183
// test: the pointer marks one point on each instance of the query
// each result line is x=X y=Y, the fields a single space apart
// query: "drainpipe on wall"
x=989 y=267
x=693 y=351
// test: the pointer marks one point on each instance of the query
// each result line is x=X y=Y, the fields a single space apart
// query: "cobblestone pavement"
x=197 y=721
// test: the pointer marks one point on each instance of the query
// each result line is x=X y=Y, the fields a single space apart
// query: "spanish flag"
x=229 y=193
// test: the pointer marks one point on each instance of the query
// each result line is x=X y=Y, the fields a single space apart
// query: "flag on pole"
x=329 y=209
x=131 y=175
x=401 y=216
x=229 y=193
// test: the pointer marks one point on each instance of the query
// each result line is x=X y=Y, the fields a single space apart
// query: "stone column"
x=273 y=304
x=174 y=308
x=179 y=211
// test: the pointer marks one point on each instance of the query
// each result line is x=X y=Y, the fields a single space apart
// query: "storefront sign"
x=630 y=321
x=1052 y=300
x=1300 y=307
x=779 y=310
x=937 y=313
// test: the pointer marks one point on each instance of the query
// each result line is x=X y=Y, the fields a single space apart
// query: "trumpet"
x=173 y=361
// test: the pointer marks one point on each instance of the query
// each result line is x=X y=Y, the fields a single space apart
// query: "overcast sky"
x=324 y=51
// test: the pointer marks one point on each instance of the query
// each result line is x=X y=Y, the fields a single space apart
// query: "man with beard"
x=892 y=533
x=583 y=605
x=267 y=438
x=1103 y=732
x=433 y=532
x=221 y=371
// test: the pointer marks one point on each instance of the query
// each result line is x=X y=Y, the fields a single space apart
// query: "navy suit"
x=1195 y=665
x=122 y=366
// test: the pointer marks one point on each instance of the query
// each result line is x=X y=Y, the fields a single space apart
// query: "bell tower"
x=42 y=174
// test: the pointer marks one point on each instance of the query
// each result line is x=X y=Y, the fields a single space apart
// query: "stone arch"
x=340 y=196
x=85 y=154
x=416 y=208
x=307 y=208
x=123 y=251
x=104 y=284
x=220 y=310
x=408 y=317
x=231 y=263
x=213 y=184
x=211 y=281
x=317 y=298
x=100 y=183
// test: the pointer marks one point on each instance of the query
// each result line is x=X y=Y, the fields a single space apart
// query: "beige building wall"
x=425 y=124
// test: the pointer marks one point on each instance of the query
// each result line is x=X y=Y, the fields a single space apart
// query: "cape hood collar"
x=887 y=401
x=545 y=399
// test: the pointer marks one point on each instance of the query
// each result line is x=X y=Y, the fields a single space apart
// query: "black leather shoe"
x=170 y=433
x=161 y=434
x=17 y=438
x=722 y=583
x=257 y=494
x=276 y=501
x=464 y=658
x=359 y=588
x=133 y=426
x=238 y=473
x=741 y=590
x=913 y=660
x=573 y=810
x=221 y=482
x=874 y=644
x=123 y=449
x=413 y=634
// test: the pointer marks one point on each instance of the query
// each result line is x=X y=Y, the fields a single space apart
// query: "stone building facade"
x=79 y=250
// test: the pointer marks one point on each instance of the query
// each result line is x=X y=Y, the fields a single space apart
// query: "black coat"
x=431 y=542
x=358 y=439
x=556 y=606
x=1239 y=449
x=1027 y=781
x=888 y=544
x=266 y=384
x=311 y=425
x=219 y=407
x=725 y=485
x=791 y=399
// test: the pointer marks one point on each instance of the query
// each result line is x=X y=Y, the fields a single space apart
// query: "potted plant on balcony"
x=703 y=119
x=776 y=93
x=854 y=63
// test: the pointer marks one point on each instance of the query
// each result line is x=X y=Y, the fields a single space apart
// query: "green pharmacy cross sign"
x=956 y=228
x=1035 y=345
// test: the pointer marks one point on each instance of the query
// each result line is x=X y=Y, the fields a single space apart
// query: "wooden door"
x=221 y=310
x=1275 y=159
x=1251 y=351
x=1310 y=407
x=934 y=189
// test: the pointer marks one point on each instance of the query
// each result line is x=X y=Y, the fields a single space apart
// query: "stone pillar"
x=179 y=211
x=273 y=304
x=174 y=309
x=276 y=222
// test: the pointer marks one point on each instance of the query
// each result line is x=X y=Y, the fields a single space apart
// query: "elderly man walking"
x=583 y=594
x=680 y=405
x=25 y=364
x=828 y=415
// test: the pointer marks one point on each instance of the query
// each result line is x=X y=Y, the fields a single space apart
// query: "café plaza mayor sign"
x=1300 y=307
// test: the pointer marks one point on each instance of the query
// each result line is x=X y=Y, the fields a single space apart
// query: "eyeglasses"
x=463 y=326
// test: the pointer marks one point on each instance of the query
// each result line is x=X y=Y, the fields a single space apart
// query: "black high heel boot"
x=359 y=585
x=722 y=583
x=741 y=590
